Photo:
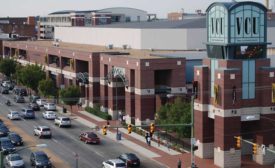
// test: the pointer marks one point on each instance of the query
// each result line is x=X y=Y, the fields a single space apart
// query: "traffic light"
x=255 y=148
x=129 y=128
x=152 y=128
x=238 y=144
x=104 y=130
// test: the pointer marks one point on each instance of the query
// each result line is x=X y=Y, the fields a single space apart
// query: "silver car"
x=15 y=160
x=49 y=115
x=63 y=121
x=14 y=115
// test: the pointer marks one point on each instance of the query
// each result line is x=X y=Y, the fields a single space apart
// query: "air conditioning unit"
x=110 y=46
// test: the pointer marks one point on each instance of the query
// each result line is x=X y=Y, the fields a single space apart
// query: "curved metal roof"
x=231 y=5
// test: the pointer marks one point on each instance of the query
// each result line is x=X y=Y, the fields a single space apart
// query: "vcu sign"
x=236 y=22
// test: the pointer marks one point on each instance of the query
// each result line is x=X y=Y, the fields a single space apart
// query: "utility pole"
x=192 y=132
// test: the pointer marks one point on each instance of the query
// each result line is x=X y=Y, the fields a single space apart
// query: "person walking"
x=158 y=141
x=147 y=138
x=179 y=163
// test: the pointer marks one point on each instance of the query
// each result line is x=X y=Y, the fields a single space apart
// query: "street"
x=65 y=143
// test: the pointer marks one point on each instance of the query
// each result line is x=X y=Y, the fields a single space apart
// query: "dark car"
x=15 y=139
x=19 y=99
x=4 y=90
x=20 y=91
x=27 y=113
x=4 y=130
x=89 y=137
x=34 y=106
x=33 y=98
x=130 y=159
x=6 y=145
x=40 y=159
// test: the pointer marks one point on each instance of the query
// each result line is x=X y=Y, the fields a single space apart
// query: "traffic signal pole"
x=192 y=133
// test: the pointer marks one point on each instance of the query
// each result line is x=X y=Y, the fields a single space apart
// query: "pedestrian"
x=108 y=123
x=149 y=140
x=146 y=138
x=158 y=141
x=179 y=163
x=168 y=146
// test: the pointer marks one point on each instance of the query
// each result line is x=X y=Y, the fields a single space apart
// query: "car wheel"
x=59 y=125
x=34 y=133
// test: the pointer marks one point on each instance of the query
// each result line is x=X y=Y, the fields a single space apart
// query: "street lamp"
x=2 y=152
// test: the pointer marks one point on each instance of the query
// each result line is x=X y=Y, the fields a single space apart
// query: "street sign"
x=263 y=149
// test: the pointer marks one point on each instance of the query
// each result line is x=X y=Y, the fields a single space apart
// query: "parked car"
x=14 y=115
x=27 y=113
x=6 y=83
x=6 y=145
x=40 y=159
x=15 y=139
x=20 y=91
x=113 y=163
x=19 y=99
x=42 y=131
x=130 y=159
x=50 y=106
x=63 y=121
x=49 y=115
x=14 y=160
x=4 y=130
x=41 y=102
x=89 y=137
x=4 y=90
x=34 y=106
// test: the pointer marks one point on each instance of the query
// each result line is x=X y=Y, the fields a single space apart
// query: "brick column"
x=145 y=108
x=130 y=96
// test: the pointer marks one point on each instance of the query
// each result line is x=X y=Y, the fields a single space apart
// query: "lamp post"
x=2 y=152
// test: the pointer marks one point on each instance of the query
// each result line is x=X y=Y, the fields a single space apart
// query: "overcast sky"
x=16 y=8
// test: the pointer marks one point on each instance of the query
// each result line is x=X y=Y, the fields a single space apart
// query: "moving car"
x=27 y=113
x=19 y=99
x=63 y=121
x=113 y=163
x=14 y=160
x=14 y=115
x=50 y=106
x=89 y=137
x=34 y=98
x=40 y=159
x=15 y=139
x=34 y=106
x=130 y=159
x=4 y=90
x=6 y=146
x=42 y=131
x=49 y=115
x=41 y=102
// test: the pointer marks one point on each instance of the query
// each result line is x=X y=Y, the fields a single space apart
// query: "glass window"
x=251 y=51
x=214 y=66
x=248 y=81
x=215 y=51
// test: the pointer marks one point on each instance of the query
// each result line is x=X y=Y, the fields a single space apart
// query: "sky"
x=22 y=8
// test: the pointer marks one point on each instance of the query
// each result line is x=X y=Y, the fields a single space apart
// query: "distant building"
x=182 y=15
x=87 y=19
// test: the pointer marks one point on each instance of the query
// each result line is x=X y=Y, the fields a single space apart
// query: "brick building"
x=235 y=86
x=131 y=81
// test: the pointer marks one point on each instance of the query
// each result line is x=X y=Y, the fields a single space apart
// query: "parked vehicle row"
x=123 y=161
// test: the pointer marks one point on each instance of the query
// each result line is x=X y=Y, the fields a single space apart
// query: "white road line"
x=56 y=141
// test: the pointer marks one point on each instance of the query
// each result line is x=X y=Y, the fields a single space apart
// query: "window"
x=214 y=66
x=248 y=81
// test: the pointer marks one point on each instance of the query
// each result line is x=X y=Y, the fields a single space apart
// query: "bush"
x=96 y=111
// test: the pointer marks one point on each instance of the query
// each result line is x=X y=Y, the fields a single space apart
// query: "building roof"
x=189 y=55
x=133 y=53
x=70 y=11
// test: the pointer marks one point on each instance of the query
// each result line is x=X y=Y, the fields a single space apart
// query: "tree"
x=46 y=88
x=8 y=67
x=70 y=95
x=30 y=76
x=177 y=113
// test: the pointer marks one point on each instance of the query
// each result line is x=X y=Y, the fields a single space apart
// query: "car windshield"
x=120 y=164
x=46 y=129
x=131 y=156
x=29 y=111
x=15 y=136
x=41 y=157
x=15 y=113
x=66 y=119
x=15 y=157
x=91 y=135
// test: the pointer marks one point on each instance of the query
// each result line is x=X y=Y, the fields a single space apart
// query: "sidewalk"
x=161 y=154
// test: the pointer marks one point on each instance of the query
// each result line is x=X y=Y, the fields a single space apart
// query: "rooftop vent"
x=110 y=46
x=125 y=46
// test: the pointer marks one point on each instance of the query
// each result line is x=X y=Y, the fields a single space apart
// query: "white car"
x=63 y=121
x=14 y=115
x=49 y=115
x=41 y=102
x=42 y=131
x=50 y=106
x=14 y=160
x=6 y=84
x=113 y=163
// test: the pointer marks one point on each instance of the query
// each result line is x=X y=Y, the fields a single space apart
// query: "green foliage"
x=46 y=88
x=8 y=66
x=70 y=95
x=177 y=113
x=96 y=111
x=30 y=76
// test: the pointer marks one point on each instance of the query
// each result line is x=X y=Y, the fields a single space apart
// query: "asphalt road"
x=65 y=143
